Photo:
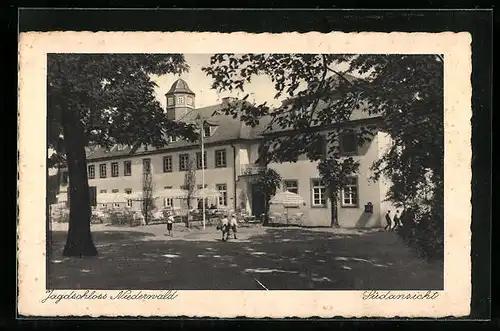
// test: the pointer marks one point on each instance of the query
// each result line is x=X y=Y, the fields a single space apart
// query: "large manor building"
x=231 y=152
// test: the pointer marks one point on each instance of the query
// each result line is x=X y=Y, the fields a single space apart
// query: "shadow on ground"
x=279 y=259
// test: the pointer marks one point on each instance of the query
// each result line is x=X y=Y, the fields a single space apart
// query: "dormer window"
x=207 y=131
x=172 y=139
x=180 y=100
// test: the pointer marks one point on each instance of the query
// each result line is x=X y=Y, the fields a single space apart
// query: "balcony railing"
x=251 y=169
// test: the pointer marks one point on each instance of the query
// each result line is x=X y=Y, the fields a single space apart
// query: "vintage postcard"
x=244 y=175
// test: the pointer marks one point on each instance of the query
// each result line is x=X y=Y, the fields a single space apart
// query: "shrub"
x=59 y=213
x=121 y=218
x=99 y=217
x=423 y=233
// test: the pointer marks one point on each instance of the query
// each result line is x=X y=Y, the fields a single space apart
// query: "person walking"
x=170 y=223
x=233 y=224
x=397 y=219
x=388 y=221
x=225 y=227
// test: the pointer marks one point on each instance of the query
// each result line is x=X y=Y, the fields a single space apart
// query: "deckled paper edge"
x=453 y=301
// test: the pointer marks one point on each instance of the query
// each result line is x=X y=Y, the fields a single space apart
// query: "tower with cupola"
x=180 y=100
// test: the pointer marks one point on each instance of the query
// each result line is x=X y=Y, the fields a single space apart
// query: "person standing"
x=225 y=227
x=170 y=223
x=397 y=219
x=388 y=221
x=233 y=224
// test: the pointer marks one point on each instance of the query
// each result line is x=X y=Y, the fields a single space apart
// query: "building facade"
x=231 y=152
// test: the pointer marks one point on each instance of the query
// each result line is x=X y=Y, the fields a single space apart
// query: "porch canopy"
x=287 y=199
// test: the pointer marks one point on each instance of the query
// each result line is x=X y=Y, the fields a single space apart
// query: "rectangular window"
x=180 y=100
x=146 y=166
x=169 y=202
x=168 y=187
x=170 y=101
x=127 y=168
x=207 y=130
x=114 y=169
x=220 y=158
x=222 y=200
x=198 y=160
x=291 y=185
x=64 y=178
x=91 y=171
x=183 y=162
x=102 y=170
x=348 y=143
x=318 y=193
x=350 y=193
x=115 y=190
x=172 y=139
x=103 y=191
x=128 y=191
x=167 y=163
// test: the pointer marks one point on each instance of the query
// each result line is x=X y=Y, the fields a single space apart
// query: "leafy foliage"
x=268 y=182
x=113 y=95
x=103 y=99
x=406 y=91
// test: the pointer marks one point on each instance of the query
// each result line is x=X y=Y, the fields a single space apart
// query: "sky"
x=260 y=89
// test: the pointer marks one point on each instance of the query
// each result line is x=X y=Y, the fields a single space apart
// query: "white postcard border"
x=453 y=301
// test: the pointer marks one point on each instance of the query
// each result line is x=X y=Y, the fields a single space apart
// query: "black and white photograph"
x=245 y=171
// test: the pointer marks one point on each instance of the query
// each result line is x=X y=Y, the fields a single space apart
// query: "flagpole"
x=203 y=169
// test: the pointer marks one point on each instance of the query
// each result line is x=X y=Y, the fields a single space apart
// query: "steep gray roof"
x=226 y=128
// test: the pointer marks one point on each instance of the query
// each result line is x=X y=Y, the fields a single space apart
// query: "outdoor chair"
x=299 y=218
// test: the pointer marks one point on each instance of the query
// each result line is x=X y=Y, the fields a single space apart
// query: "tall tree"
x=405 y=90
x=147 y=191
x=190 y=187
x=103 y=99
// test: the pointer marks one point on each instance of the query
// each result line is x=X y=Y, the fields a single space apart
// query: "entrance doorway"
x=258 y=201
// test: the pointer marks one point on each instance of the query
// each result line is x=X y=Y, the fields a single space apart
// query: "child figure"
x=388 y=221
x=233 y=224
x=225 y=227
x=170 y=223
x=397 y=219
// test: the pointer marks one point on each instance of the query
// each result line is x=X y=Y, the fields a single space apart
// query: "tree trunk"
x=266 y=209
x=188 y=216
x=79 y=239
x=335 y=215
